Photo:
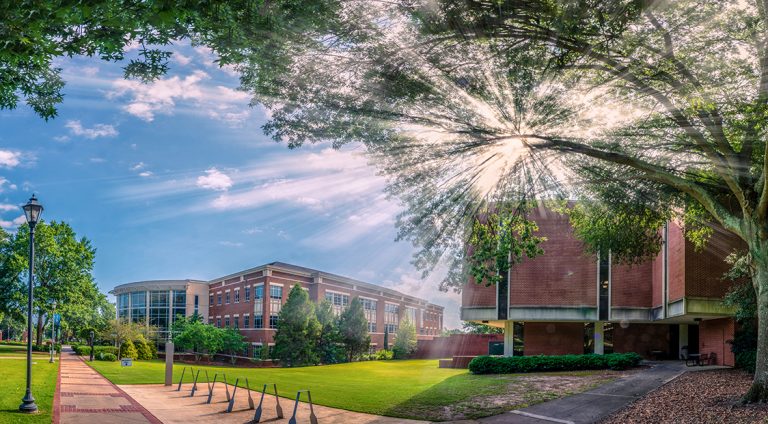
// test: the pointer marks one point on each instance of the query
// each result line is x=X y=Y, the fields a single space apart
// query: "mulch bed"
x=696 y=397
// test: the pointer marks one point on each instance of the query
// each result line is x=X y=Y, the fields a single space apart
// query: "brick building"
x=567 y=301
x=251 y=300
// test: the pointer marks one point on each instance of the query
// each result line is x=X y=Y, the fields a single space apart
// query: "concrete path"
x=595 y=404
x=172 y=406
x=83 y=396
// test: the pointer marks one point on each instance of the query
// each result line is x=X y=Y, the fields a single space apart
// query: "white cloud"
x=145 y=174
x=183 y=60
x=231 y=244
x=8 y=207
x=97 y=160
x=98 y=130
x=138 y=166
x=9 y=159
x=89 y=71
x=164 y=96
x=61 y=138
x=10 y=225
x=5 y=184
x=214 y=180
x=19 y=220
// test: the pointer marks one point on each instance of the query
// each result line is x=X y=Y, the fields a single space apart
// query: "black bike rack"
x=279 y=410
x=211 y=386
x=194 y=384
x=312 y=417
x=178 y=389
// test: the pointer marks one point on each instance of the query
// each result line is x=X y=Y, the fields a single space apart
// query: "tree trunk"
x=39 y=328
x=758 y=392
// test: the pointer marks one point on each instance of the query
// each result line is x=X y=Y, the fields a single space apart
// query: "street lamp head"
x=32 y=210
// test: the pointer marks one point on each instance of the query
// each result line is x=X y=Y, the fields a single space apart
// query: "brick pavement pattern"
x=83 y=396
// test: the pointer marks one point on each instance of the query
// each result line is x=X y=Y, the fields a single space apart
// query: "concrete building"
x=251 y=300
x=567 y=301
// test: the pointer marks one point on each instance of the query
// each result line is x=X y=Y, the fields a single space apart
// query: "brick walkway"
x=83 y=396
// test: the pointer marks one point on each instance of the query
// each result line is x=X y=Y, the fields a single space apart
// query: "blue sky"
x=175 y=179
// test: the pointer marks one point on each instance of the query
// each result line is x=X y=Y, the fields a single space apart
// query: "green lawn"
x=409 y=389
x=13 y=378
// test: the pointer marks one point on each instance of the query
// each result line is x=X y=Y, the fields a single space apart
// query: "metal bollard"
x=210 y=388
x=194 y=384
x=178 y=389
x=312 y=417
x=232 y=401
x=250 y=399
x=226 y=386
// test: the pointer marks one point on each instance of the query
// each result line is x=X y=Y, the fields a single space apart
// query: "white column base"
x=509 y=338
x=599 y=338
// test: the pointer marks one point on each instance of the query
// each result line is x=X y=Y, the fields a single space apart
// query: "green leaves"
x=501 y=238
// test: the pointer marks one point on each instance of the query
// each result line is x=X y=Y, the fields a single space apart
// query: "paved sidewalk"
x=83 y=396
x=595 y=404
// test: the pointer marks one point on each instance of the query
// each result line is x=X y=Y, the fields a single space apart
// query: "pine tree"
x=128 y=350
x=329 y=347
x=353 y=327
x=297 y=330
x=144 y=351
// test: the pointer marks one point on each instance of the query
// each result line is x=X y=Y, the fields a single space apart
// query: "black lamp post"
x=32 y=211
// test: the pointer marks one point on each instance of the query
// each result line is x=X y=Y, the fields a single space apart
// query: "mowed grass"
x=13 y=380
x=409 y=389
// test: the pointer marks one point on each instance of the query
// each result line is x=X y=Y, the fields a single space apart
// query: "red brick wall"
x=553 y=338
x=713 y=335
x=631 y=285
x=564 y=275
x=641 y=338
x=677 y=263
x=704 y=270
x=478 y=294
x=456 y=345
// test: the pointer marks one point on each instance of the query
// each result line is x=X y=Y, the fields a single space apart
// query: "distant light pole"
x=53 y=328
x=32 y=211
x=91 y=359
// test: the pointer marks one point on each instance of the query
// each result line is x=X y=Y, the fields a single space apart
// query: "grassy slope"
x=13 y=378
x=395 y=388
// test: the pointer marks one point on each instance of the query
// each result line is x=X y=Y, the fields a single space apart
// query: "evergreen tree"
x=297 y=330
x=353 y=327
x=405 y=341
x=329 y=346
x=143 y=350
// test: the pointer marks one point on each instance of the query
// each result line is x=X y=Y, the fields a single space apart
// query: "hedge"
x=106 y=356
x=543 y=363
x=86 y=350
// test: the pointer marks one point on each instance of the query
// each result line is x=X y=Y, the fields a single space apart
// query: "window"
x=237 y=295
x=256 y=351
x=247 y=293
x=210 y=299
x=272 y=321
x=122 y=306
x=604 y=270
x=159 y=302
x=237 y=322
x=247 y=321
x=218 y=322
x=197 y=304
x=259 y=292
x=179 y=304
x=369 y=307
x=218 y=301
x=139 y=307
x=210 y=320
x=226 y=322
x=339 y=301
x=275 y=300
x=411 y=314
x=258 y=321
x=226 y=298
x=391 y=317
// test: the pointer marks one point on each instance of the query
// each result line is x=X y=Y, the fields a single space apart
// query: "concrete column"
x=683 y=339
x=599 y=339
x=509 y=337
x=169 y=350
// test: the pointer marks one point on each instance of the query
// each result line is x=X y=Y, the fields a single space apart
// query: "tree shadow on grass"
x=465 y=396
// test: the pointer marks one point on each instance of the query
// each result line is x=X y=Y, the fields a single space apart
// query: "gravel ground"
x=696 y=397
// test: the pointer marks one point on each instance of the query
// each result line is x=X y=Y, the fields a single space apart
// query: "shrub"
x=128 y=350
x=143 y=349
x=542 y=363
x=384 y=354
x=746 y=360
x=86 y=350
x=46 y=347
x=101 y=356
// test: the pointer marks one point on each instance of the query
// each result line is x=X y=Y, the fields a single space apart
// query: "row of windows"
x=258 y=321
x=160 y=311
x=276 y=292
